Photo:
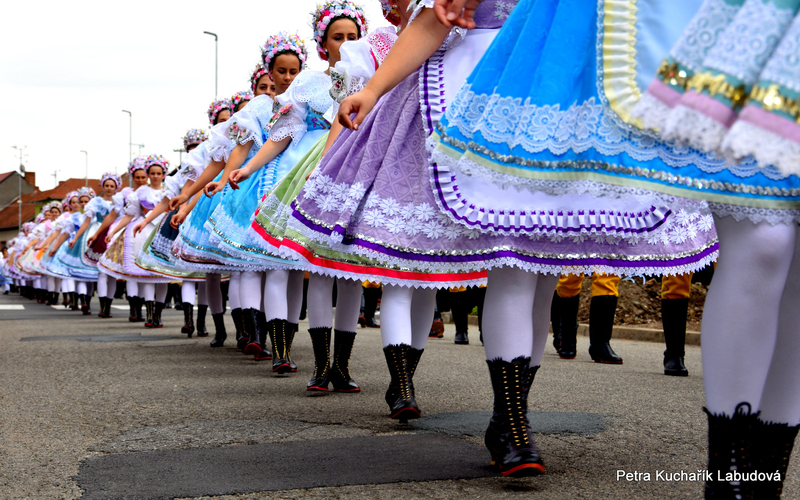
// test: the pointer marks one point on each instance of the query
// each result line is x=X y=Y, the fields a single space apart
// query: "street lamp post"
x=216 y=61
x=87 y=167
x=21 y=173
x=130 y=140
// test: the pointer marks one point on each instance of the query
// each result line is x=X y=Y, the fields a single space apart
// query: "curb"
x=622 y=332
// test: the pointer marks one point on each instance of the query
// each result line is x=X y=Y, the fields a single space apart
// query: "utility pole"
x=216 y=61
x=140 y=146
x=180 y=155
x=130 y=142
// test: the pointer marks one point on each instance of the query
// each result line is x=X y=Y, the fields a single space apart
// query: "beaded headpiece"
x=110 y=176
x=215 y=108
x=156 y=161
x=239 y=98
x=260 y=71
x=390 y=12
x=193 y=137
x=328 y=12
x=136 y=164
x=86 y=191
x=284 y=42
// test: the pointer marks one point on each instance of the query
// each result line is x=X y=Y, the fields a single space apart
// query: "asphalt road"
x=94 y=408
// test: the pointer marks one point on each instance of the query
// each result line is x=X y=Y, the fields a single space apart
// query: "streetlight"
x=87 y=166
x=216 y=60
x=130 y=141
x=21 y=173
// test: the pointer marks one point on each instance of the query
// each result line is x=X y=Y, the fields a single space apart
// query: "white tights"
x=214 y=293
x=251 y=286
x=233 y=290
x=106 y=286
x=751 y=321
x=294 y=296
x=348 y=302
x=67 y=285
x=406 y=315
x=83 y=288
x=51 y=284
x=154 y=291
x=188 y=292
x=132 y=288
x=516 y=314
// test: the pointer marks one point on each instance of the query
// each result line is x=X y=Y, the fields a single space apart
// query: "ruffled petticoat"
x=119 y=260
x=575 y=129
x=73 y=259
x=193 y=246
x=372 y=211
x=156 y=254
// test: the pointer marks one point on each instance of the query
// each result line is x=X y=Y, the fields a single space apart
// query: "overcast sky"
x=68 y=69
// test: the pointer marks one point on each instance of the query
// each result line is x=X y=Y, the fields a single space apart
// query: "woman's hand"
x=213 y=188
x=71 y=244
x=360 y=103
x=138 y=228
x=177 y=201
x=177 y=219
x=238 y=176
x=52 y=253
x=456 y=12
x=90 y=240
x=108 y=238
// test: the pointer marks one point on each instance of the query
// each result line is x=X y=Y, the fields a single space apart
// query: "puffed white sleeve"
x=310 y=89
x=132 y=206
x=360 y=60
x=96 y=205
x=220 y=145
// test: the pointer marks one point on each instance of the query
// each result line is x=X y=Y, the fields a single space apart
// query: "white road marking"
x=13 y=307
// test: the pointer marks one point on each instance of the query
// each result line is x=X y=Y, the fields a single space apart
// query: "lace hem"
x=383 y=266
x=653 y=112
x=746 y=139
x=699 y=131
x=296 y=131
x=755 y=214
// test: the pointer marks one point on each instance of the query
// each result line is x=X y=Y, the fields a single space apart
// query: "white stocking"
x=250 y=289
x=214 y=293
x=111 y=285
x=161 y=292
x=740 y=318
x=780 y=401
x=102 y=285
x=70 y=285
x=542 y=300
x=233 y=290
x=132 y=289
x=294 y=296
x=406 y=313
x=148 y=291
x=202 y=299
x=320 y=298
x=51 y=284
x=508 y=313
x=80 y=288
x=275 y=300
x=188 y=292
x=348 y=304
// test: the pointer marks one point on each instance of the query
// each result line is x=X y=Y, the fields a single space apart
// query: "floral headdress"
x=215 y=108
x=65 y=202
x=136 y=164
x=260 y=71
x=239 y=98
x=111 y=176
x=39 y=218
x=284 y=42
x=27 y=227
x=328 y=12
x=193 y=137
x=53 y=204
x=86 y=191
x=156 y=161
x=390 y=12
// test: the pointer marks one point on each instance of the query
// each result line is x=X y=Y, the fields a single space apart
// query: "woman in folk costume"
x=192 y=245
x=156 y=255
x=98 y=248
x=42 y=248
x=729 y=87
x=71 y=258
x=66 y=226
x=352 y=63
x=95 y=213
x=42 y=224
x=391 y=227
x=152 y=287
x=284 y=56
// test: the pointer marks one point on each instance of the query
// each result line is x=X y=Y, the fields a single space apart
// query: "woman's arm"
x=109 y=219
x=151 y=216
x=48 y=240
x=235 y=160
x=211 y=171
x=184 y=212
x=414 y=46
x=266 y=154
x=456 y=12
x=122 y=224
x=60 y=241
x=87 y=221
